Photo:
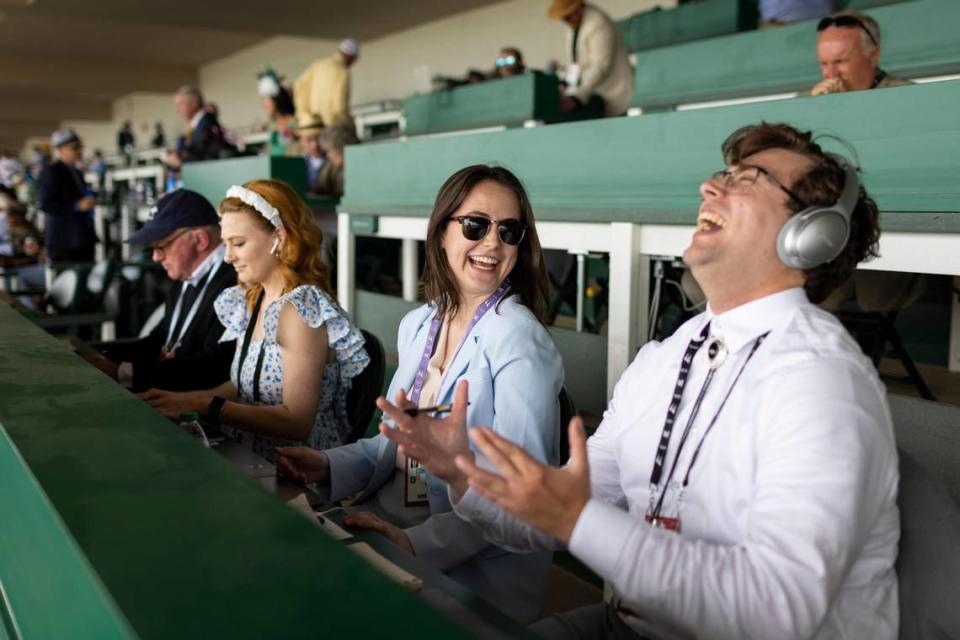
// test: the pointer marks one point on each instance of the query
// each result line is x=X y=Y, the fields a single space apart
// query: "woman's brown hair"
x=529 y=276
x=299 y=258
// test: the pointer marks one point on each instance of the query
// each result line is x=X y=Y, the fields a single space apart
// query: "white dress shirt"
x=789 y=525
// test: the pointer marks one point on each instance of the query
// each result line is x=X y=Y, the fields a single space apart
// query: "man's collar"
x=741 y=325
x=204 y=268
x=195 y=120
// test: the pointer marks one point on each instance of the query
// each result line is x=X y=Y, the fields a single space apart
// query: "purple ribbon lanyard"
x=428 y=348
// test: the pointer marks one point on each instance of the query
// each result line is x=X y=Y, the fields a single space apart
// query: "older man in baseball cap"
x=322 y=92
x=184 y=351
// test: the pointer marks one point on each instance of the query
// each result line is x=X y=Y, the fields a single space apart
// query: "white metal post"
x=408 y=269
x=346 y=247
x=629 y=290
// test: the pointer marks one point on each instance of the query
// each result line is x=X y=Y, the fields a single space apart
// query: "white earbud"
x=276 y=245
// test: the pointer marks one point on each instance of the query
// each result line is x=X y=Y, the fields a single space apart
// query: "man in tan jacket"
x=322 y=92
x=599 y=75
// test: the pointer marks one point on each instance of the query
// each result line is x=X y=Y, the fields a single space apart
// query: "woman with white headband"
x=297 y=350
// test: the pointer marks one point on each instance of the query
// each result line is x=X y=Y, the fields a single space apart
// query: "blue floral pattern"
x=316 y=309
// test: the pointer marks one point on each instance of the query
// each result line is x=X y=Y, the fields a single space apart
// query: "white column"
x=953 y=362
x=346 y=247
x=408 y=269
x=628 y=299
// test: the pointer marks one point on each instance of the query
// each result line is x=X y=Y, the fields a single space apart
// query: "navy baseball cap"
x=177 y=210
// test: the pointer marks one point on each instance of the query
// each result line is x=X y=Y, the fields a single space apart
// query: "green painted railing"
x=687 y=22
x=47 y=587
x=919 y=38
x=505 y=102
x=212 y=178
x=647 y=169
x=184 y=544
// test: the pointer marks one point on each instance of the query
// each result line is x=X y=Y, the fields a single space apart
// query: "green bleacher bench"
x=508 y=102
x=647 y=169
x=919 y=39
x=117 y=524
x=212 y=178
x=687 y=22
x=700 y=20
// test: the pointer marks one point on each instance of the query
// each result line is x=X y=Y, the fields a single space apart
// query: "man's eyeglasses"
x=163 y=248
x=850 y=22
x=506 y=61
x=742 y=179
x=476 y=227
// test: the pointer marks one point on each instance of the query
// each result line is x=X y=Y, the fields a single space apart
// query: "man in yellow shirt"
x=322 y=92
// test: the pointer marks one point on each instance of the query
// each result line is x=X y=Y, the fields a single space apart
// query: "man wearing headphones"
x=743 y=481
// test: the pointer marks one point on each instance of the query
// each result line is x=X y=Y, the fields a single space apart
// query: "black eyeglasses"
x=163 y=248
x=742 y=179
x=476 y=227
x=850 y=22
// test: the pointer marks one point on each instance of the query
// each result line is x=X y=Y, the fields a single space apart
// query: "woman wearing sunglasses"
x=486 y=285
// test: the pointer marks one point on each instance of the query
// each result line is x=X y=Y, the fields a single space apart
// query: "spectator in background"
x=776 y=13
x=509 y=63
x=159 y=140
x=333 y=140
x=278 y=103
x=848 y=50
x=126 y=142
x=313 y=155
x=322 y=92
x=21 y=247
x=599 y=77
x=67 y=202
x=203 y=138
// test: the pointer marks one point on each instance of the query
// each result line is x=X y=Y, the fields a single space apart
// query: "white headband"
x=253 y=199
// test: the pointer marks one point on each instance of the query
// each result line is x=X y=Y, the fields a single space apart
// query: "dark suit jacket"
x=202 y=361
x=206 y=142
x=69 y=234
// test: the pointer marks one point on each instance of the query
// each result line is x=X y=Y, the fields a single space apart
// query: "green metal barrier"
x=919 y=38
x=687 y=22
x=505 y=102
x=41 y=567
x=647 y=169
x=212 y=178
x=185 y=545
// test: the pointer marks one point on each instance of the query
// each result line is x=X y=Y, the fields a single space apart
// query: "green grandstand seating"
x=212 y=178
x=646 y=169
x=919 y=38
x=505 y=102
x=116 y=524
x=687 y=22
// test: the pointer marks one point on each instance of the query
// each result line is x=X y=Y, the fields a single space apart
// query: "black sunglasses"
x=476 y=227
x=850 y=22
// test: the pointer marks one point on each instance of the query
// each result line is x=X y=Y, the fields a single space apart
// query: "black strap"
x=685 y=364
x=878 y=78
x=657 y=471
x=244 y=347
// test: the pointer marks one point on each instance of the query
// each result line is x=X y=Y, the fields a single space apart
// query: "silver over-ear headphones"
x=819 y=233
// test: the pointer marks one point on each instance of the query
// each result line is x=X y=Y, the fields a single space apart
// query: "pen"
x=440 y=408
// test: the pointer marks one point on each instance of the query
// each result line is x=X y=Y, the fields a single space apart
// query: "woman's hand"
x=433 y=442
x=172 y=404
x=304 y=464
x=393 y=533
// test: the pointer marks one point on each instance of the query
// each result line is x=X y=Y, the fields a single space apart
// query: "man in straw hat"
x=599 y=76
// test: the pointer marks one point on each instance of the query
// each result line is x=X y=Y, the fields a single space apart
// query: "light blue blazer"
x=515 y=374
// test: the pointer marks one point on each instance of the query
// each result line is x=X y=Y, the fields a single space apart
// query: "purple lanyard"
x=428 y=348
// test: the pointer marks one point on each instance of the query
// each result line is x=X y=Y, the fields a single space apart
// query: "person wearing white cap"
x=322 y=92
x=67 y=202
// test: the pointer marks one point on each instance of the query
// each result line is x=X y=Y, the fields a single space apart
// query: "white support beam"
x=629 y=292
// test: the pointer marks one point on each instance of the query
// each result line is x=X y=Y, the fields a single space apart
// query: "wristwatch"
x=214 y=408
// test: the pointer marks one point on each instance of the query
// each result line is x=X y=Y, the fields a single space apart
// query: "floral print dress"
x=316 y=309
